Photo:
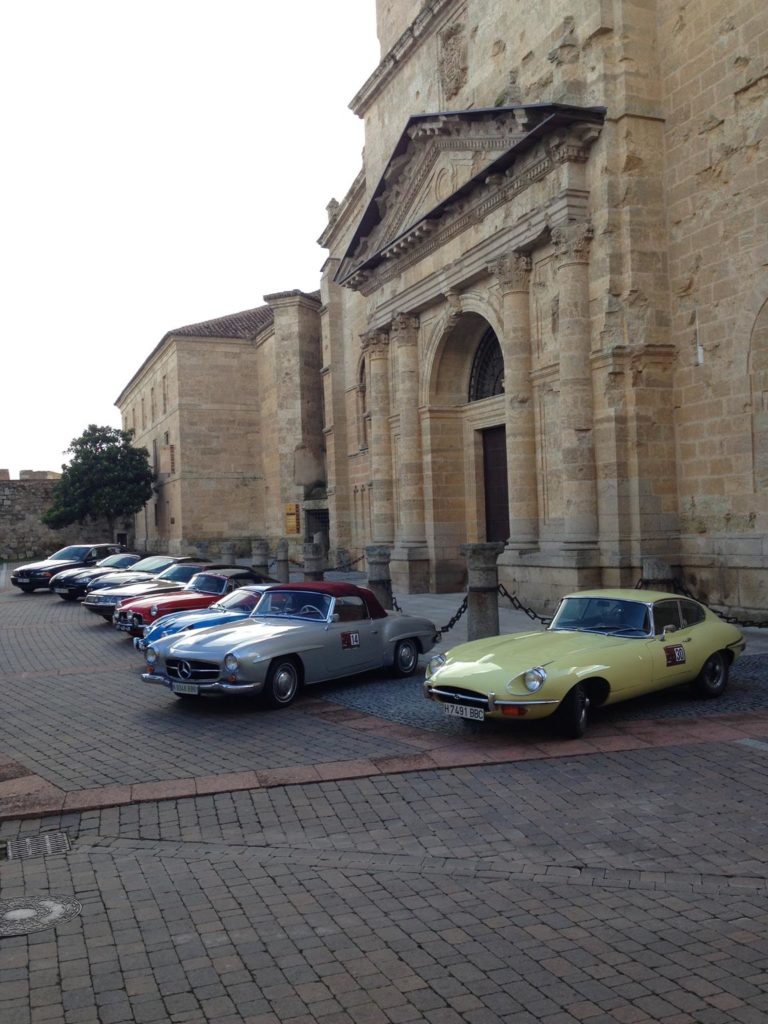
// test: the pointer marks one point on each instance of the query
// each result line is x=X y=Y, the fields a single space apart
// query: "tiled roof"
x=237 y=325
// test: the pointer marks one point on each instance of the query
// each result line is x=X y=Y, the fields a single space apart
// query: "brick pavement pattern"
x=311 y=870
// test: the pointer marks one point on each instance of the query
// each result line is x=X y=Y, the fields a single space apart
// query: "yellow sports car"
x=603 y=646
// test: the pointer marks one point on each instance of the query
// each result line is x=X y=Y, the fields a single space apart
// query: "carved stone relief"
x=453 y=59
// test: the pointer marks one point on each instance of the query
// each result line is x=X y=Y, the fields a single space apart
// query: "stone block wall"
x=23 y=535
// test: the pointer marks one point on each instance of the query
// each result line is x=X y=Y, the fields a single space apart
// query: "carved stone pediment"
x=440 y=161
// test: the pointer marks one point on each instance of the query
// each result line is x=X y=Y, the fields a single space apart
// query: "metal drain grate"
x=34 y=913
x=42 y=845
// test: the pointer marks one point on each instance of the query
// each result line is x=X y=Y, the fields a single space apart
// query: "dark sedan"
x=71 y=583
x=38 y=575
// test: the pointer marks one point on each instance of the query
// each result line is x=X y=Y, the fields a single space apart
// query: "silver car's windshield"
x=603 y=615
x=298 y=604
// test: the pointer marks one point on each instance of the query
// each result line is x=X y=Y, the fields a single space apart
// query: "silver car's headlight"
x=434 y=664
x=230 y=663
x=150 y=656
x=534 y=679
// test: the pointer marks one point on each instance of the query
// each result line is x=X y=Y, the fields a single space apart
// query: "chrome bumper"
x=202 y=688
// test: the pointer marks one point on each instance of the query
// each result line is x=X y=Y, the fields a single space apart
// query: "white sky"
x=165 y=162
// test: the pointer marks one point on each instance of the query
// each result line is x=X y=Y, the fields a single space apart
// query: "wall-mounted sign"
x=292 y=519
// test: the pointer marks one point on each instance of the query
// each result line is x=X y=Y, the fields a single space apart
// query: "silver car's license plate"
x=192 y=688
x=459 y=711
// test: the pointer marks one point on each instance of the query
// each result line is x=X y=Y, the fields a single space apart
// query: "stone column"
x=379 y=581
x=314 y=561
x=260 y=554
x=571 y=244
x=410 y=556
x=282 y=571
x=482 y=589
x=513 y=273
x=405 y=330
x=376 y=344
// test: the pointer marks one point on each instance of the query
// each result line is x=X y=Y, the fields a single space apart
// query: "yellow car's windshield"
x=603 y=615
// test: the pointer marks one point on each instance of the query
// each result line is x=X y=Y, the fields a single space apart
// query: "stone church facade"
x=543 y=317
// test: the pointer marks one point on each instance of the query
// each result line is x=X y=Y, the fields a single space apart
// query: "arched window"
x=487 y=376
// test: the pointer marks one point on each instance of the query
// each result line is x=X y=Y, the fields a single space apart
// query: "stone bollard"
x=314 y=562
x=379 y=579
x=483 y=589
x=282 y=572
x=260 y=555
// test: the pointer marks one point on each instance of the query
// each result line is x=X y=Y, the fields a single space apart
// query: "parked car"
x=299 y=633
x=37 y=575
x=103 y=600
x=135 y=615
x=603 y=646
x=71 y=583
x=148 y=567
x=228 y=609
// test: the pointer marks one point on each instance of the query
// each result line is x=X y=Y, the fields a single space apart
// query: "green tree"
x=107 y=477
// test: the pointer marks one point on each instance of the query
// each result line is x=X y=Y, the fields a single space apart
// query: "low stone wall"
x=24 y=536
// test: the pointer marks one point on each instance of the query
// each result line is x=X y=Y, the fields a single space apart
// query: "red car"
x=133 y=615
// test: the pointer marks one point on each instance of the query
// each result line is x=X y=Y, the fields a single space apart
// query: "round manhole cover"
x=34 y=913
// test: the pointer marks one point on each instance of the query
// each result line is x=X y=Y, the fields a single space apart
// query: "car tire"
x=406 y=657
x=571 y=716
x=713 y=678
x=283 y=682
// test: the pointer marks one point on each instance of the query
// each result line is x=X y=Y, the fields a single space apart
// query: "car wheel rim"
x=285 y=683
x=714 y=673
x=406 y=657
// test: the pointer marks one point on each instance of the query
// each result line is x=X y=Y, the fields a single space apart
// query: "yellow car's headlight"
x=534 y=679
x=434 y=664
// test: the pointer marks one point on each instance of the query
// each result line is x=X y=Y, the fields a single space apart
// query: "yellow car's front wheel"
x=571 y=717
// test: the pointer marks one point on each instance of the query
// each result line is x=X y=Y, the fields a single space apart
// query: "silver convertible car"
x=298 y=633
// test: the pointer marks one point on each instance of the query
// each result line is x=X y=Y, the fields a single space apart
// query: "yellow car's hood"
x=486 y=664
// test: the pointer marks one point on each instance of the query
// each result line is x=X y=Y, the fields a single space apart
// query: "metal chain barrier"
x=443 y=629
x=677 y=587
x=518 y=606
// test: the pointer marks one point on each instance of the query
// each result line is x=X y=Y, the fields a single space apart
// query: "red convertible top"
x=333 y=589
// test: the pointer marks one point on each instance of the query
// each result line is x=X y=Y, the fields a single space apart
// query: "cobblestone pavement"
x=310 y=869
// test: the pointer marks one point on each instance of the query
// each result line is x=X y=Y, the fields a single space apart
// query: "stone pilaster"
x=571 y=244
x=376 y=344
x=513 y=273
x=405 y=330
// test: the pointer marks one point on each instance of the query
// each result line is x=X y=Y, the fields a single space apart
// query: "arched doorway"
x=468 y=498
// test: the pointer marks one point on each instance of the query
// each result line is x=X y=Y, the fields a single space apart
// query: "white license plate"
x=60 y=590
x=459 y=711
x=185 y=688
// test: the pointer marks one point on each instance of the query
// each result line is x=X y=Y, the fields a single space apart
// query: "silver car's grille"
x=455 y=695
x=192 y=671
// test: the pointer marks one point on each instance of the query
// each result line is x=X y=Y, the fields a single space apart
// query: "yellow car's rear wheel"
x=713 y=678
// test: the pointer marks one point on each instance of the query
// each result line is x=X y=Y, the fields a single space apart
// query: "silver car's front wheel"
x=282 y=685
x=406 y=657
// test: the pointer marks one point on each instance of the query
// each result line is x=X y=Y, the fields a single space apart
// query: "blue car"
x=231 y=608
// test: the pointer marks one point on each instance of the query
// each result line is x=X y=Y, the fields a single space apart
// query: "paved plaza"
x=358 y=858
